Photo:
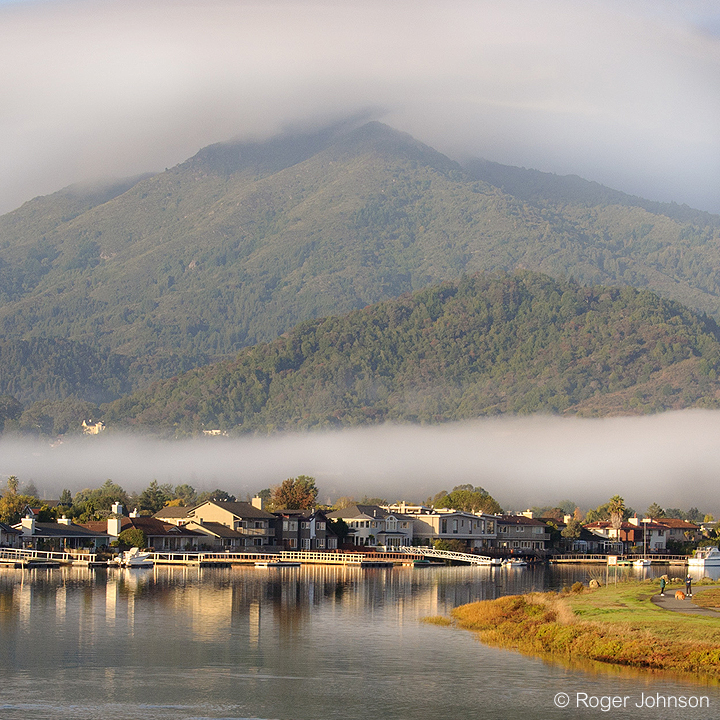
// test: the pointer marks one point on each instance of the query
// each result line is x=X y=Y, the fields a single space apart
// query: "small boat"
x=642 y=562
x=514 y=563
x=133 y=558
x=276 y=564
x=705 y=557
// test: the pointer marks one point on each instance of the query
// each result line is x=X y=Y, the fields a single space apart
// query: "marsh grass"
x=615 y=624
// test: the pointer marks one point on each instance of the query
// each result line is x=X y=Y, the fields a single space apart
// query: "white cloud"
x=626 y=94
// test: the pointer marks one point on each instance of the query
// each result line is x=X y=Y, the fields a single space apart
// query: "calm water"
x=301 y=643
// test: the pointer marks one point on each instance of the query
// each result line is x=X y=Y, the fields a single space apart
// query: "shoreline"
x=612 y=625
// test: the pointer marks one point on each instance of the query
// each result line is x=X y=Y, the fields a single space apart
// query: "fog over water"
x=624 y=93
x=672 y=459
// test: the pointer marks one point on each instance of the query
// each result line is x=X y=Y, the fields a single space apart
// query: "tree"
x=217 y=494
x=154 y=497
x=66 y=498
x=186 y=493
x=340 y=528
x=12 y=485
x=10 y=409
x=30 y=489
x=344 y=502
x=616 y=508
x=572 y=530
x=297 y=493
x=655 y=511
x=12 y=506
x=133 y=537
x=475 y=500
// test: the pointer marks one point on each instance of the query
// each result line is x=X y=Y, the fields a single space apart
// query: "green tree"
x=340 y=528
x=655 y=511
x=572 y=530
x=133 y=537
x=12 y=506
x=154 y=497
x=186 y=493
x=66 y=498
x=298 y=493
x=13 y=484
x=217 y=494
x=474 y=500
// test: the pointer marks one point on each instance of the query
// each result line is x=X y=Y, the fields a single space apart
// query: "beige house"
x=255 y=526
x=373 y=525
x=476 y=530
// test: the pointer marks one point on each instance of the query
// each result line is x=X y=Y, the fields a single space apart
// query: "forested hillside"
x=521 y=343
x=243 y=241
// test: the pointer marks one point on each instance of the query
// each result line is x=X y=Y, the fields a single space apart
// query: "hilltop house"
x=679 y=531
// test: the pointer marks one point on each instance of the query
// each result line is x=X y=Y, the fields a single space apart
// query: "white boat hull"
x=705 y=557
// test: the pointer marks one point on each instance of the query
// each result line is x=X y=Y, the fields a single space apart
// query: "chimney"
x=117 y=508
x=258 y=502
x=114 y=525
x=64 y=521
x=28 y=525
x=134 y=513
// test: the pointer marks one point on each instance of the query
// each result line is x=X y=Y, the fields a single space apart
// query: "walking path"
x=687 y=606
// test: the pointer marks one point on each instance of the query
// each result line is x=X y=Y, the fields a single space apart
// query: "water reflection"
x=243 y=642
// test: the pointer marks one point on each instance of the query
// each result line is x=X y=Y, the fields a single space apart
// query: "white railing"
x=29 y=554
x=444 y=554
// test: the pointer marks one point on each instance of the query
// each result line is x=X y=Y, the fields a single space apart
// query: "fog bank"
x=672 y=459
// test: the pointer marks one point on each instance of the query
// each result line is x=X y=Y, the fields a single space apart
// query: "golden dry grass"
x=611 y=625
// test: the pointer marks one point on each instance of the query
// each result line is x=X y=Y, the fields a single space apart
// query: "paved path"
x=687 y=606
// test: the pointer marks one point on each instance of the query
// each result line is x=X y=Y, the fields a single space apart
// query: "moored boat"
x=705 y=557
x=133 y=558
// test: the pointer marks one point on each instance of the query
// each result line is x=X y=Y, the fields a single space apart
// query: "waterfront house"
x=249 y=519
x=373 y=525
x=9 y=536
x=160 y=536
x=633 y=535
x=679 y=531
x=59 y=536
x=175 y=515
x=304 y=530
x=216 y=536
x=519 y=533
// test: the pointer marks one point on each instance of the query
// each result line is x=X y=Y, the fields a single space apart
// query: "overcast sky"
x=671 y=458
x=626 y=93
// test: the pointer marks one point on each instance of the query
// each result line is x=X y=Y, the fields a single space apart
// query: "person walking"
x=688 y=586
x=662 y=587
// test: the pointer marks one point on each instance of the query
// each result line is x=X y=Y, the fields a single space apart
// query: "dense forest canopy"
x=104 y=290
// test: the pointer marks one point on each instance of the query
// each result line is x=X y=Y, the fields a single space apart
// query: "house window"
x=291 y=542
x=306 y=543
x=503 y=528
x=257 y=541
x=321 y=543
x=455 y=526
x=520 y=528
x=319 y=525
x=305 y=525
x=259 y=524
x=332 y=543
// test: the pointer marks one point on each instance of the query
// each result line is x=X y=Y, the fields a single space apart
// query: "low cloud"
x=672 y=459
x=623 y=93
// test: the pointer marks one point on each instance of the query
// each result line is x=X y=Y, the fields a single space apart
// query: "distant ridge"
x=245 y=240
x=486 y=345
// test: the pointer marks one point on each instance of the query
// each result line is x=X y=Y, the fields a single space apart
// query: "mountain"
x=488 y=344
x=245 y=240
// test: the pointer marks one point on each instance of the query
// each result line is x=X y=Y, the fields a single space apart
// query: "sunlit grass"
x=614 y=624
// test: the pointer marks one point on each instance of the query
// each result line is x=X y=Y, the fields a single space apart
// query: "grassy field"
x=617 y=624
